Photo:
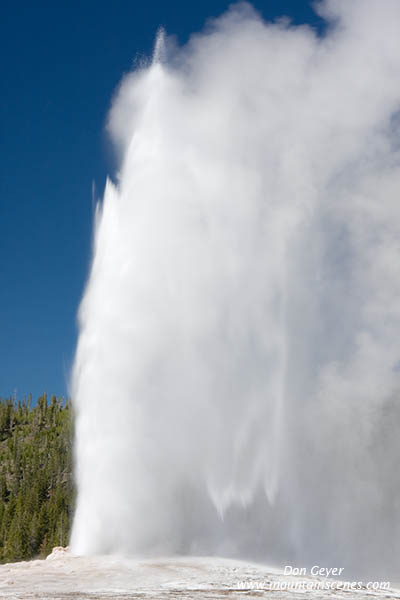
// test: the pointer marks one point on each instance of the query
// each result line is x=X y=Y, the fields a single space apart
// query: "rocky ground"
x=65 y=577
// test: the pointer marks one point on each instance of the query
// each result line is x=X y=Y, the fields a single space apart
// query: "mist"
x=237 y=375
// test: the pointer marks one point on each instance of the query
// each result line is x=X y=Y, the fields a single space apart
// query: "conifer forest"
x=36 y=484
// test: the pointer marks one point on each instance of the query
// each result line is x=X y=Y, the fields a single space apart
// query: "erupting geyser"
x=237 y=376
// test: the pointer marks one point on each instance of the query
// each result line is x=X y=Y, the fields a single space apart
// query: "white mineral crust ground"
x=62 y=576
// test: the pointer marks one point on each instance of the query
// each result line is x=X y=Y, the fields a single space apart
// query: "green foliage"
x=36 y=486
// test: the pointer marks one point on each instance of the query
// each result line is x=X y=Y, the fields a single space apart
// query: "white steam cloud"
x=237 y=374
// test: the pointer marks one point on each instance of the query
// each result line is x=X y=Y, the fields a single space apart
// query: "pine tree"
x=36 y=486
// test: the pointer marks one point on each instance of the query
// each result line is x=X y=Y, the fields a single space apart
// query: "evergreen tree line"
x=36 y=485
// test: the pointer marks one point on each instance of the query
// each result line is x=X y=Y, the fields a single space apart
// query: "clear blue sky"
x=60 y=63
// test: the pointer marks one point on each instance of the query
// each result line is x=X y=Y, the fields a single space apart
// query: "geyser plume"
x=236 y=381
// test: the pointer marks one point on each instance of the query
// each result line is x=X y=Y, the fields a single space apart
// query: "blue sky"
x=60 y=63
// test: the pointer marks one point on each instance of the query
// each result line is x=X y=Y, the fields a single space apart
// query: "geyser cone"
x=236 y=374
